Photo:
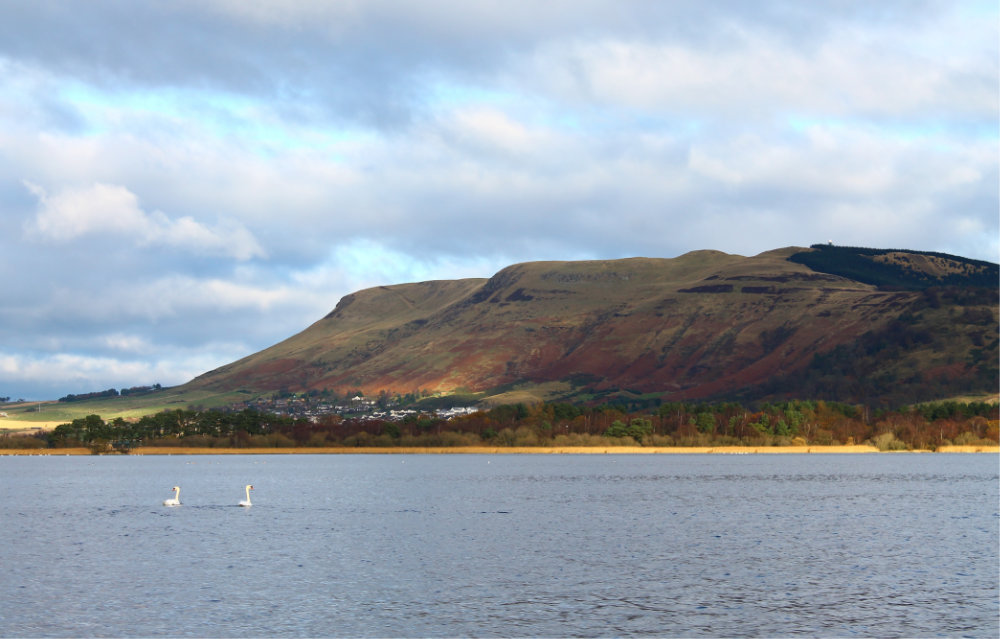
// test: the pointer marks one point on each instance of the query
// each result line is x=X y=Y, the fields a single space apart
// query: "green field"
x=111 y=407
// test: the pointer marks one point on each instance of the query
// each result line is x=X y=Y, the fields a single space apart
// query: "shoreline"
x=496 y=450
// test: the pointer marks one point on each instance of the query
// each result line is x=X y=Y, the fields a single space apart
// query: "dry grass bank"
x=493 y=450
x=44 y=452
x=532 y=450
x=969 y=449
x=502 y=450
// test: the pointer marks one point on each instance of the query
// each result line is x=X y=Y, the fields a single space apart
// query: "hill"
x=858 y=325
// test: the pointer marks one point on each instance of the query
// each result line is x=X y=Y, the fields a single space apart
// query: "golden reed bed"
x=493 y=450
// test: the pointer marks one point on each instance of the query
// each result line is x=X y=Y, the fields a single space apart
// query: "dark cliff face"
x=705 y=325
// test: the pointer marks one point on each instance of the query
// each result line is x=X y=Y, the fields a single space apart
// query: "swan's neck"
x=248 y=494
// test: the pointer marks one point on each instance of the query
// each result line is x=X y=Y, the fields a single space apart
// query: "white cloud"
x=103 y=208
x=120 y=342
x=490 y=129
x=86 y=373
x=181 y=298
x=100 y=208
x=854 y=71
x=843 y=162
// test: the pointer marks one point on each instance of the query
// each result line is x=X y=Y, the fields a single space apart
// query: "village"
x=356 y=407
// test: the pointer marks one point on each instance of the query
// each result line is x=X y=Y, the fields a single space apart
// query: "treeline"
x=925 y=427
x=111 y=392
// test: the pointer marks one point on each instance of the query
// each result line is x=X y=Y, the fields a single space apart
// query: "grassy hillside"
x=701 y=326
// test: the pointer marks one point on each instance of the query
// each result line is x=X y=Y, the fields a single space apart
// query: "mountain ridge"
x=704 y=325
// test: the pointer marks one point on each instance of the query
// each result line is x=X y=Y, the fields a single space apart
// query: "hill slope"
x=700 y=326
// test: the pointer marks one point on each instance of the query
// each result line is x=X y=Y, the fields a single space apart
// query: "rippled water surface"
x=501 y=545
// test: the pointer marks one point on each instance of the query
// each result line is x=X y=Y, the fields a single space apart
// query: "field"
x=49 y=414
x=15 y=426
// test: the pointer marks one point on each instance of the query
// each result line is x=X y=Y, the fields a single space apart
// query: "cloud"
x=855 y=71
x=109 y=209
x=379 y=57
x=46 y=374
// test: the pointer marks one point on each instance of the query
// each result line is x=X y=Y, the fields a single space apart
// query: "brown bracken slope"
x=703 y=325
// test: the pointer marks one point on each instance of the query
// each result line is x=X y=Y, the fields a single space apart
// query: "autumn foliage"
x=924 y=427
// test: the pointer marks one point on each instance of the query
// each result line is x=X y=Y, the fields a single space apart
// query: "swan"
x=175 y=500
x=247 y=502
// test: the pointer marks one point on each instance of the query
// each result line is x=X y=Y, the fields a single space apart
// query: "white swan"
x=247 y=502
x=175 y=500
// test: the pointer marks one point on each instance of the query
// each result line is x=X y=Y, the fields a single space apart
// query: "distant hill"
x=849 y=324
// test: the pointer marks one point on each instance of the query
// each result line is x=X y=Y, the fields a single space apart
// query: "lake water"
x=501 y=545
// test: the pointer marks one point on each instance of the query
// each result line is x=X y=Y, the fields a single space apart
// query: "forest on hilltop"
x=899 y=268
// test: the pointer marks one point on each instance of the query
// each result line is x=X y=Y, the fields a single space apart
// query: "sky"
x=185 y=183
